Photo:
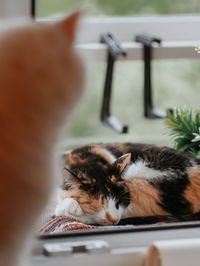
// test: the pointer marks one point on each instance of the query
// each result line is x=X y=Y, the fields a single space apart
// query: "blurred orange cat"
x=41 y=78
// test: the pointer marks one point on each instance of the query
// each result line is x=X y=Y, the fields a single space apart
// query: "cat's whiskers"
x=71 y=172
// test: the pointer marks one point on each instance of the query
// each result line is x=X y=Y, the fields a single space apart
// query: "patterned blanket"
x=59 y=224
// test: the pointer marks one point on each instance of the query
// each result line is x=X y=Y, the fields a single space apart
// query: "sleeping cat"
x=41 y=78
x=129 y=183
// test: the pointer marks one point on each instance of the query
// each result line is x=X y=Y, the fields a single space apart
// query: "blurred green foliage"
x=184 y=126
x=115 y=7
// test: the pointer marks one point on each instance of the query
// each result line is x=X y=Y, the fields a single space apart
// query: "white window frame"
x=15 y=8
x=180 y=34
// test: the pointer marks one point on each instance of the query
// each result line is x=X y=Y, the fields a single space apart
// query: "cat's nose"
x=111 y=219
x=115 y=221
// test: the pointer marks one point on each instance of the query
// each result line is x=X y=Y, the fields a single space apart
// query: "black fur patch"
x=172 y=193
x=162 y=158
x=160 y=219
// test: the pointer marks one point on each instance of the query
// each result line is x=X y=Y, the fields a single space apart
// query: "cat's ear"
x=69 y=178
x=122 y=162
x=69 y=25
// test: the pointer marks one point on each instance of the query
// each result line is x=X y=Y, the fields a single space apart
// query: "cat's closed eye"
x=117 y=204
x=101 y=163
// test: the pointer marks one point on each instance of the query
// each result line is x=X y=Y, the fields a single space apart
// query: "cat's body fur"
x=40 y=80
x=130 y=183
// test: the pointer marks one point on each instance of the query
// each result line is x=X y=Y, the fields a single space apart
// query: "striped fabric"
x=59 y=224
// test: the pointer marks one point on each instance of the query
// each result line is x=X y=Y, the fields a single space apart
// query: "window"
x=171 y=78
x=128 y=74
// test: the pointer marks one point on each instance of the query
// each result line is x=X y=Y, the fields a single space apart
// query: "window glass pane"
x=174 y=83
x=170 y=79
x=113 y=7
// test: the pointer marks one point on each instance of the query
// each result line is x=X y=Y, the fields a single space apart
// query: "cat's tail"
x=160 y=219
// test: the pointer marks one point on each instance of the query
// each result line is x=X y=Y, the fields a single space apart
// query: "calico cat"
x=41 y=78
x=123 y=183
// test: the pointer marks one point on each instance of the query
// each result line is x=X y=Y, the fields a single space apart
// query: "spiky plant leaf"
x=184 y=127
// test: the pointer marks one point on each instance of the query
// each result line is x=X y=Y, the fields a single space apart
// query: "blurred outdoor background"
x=175 y=83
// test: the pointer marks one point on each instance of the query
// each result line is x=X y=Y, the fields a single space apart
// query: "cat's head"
x=39 y=62
x=92 y=176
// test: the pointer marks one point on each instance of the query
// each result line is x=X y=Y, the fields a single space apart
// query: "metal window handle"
x=114 y=50
x=69 y=248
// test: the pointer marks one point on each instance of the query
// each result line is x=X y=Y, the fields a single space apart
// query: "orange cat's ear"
x=69 y=25
x=122 y=162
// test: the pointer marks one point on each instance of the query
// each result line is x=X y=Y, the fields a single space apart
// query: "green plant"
x=184 y=125
x=197 y=49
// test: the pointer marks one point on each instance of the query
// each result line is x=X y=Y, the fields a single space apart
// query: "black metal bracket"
x=33 y=8
x=148 y=41
x=114 y=49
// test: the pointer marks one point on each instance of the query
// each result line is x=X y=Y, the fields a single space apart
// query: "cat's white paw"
x=73 y=207
x=68 y=207
x=60 y=210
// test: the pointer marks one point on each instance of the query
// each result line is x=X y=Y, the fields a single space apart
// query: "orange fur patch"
x=103 y=153
x=113 y=179
x=74 y=159
x=192 y=193
x=66 y=153
x=88 y=204
x=145 y=199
